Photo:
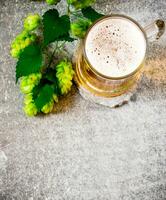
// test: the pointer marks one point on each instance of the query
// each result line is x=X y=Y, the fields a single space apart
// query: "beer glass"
x=88 y=78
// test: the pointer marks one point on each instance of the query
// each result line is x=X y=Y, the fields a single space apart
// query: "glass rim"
x=86 y=57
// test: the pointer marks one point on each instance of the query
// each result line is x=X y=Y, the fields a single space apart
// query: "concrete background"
x=84 y=151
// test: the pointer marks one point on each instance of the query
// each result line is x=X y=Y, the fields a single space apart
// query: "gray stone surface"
x=84 y=151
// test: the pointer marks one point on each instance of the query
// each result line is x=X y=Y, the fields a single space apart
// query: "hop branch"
x=43 y=83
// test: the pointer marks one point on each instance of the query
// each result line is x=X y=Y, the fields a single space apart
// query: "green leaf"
x=50 y=75
x=66 y=38
x=55 y=28
x=91 y=14
x=30 y=61
x=36 y=90
x=43 y=95
x=57 y=89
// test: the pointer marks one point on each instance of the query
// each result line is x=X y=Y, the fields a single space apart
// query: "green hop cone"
x=22 y=40
x=64 y=74
x=80 y=27
x=15 y=52
x=24 y=86
x=52 y=2
x=48 y=107
x=79 y=4
x=27 y=83
x=55 y=97
x=29 y=106
x=28 y=99
x=32 y=22
x=30 y=109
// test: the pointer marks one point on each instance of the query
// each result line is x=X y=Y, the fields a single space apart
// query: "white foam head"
x=115 y=46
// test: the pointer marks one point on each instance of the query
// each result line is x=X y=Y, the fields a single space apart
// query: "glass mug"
x=87 y=77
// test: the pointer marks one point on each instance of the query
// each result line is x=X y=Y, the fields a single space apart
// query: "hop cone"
x=80 y=27
x=32 y=22
x=55 y=97
x=29 y=106
x=48 y=107
x=23 y=40
x=52 y=2
x=79 y=4
x=27 y=83
x=64 y=75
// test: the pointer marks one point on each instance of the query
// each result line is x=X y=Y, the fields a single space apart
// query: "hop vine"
x=42 y=82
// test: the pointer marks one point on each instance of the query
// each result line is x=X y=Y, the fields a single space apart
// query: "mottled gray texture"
x=85 y=151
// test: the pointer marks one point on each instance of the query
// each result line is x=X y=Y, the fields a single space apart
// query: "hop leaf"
x=52 y=2
x=80 y=27
x=64 y=76
x=42 y=95
x=91 y=14
x=81 y=3
x=29 y=107
x=55 y=28
x=48 y=107
x=32 y=22
x=27 y=83
x=23 y=40
x=30 y=61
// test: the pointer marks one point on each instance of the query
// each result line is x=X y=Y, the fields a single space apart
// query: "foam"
x=115 y=46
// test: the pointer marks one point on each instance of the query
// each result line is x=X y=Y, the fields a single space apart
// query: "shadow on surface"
x=64 y=104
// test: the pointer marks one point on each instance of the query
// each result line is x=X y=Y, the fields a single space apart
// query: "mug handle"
x=155 y=30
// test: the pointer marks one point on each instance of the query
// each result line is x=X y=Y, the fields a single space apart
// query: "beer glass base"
x=111 y=102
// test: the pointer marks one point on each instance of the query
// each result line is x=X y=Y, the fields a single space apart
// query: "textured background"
x=85 y=151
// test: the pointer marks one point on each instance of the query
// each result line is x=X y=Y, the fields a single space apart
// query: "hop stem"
x=57 y=48
x=68 y=10
x=51 y=59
